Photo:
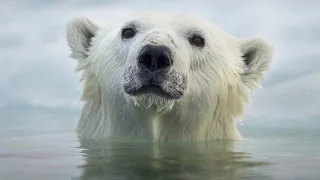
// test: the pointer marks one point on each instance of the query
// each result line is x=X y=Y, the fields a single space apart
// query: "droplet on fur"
x=241 y=122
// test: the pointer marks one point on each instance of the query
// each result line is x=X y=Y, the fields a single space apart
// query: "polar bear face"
x=158 y=61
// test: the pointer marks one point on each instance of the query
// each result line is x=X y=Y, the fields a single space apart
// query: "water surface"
x=40 y=144
x=263 y=154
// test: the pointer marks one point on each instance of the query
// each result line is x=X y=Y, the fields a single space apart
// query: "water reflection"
x=201 y=160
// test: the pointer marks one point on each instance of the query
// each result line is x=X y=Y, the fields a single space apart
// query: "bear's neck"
x=120 y=121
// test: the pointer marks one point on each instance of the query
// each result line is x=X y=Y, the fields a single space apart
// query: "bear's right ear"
x=80 y=32
x=257 y=55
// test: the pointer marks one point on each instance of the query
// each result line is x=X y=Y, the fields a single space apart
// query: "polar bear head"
x=159 y=63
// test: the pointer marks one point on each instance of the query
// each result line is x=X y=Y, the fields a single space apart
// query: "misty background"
x=39 y=90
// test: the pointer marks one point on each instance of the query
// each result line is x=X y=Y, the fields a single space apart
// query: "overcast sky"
x=35 y=69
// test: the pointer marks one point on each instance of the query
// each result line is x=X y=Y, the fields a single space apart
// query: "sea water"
x=38 y=152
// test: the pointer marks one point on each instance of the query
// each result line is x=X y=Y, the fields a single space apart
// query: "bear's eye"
x=128 y=33
x=197 y=41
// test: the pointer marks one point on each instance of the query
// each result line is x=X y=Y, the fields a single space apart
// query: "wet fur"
x=216 y=78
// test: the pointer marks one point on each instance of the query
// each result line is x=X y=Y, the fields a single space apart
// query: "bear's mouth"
x=152 y=89
x=167 y=85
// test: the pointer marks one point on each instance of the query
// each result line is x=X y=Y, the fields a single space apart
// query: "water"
x=39 y=152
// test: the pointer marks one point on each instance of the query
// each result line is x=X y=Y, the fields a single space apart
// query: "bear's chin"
x=153 y=103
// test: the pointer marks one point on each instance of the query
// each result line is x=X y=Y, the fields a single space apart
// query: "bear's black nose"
x=155 y=58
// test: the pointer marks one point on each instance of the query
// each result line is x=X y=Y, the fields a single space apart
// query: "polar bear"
x=162 y=77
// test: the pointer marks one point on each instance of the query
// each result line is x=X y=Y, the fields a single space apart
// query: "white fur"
x=216 y=79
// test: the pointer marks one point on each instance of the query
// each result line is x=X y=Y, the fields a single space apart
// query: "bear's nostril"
x=163 y=62
x=145 y=60
x=155 y=58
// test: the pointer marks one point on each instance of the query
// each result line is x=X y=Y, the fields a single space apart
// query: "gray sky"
x=36 y=70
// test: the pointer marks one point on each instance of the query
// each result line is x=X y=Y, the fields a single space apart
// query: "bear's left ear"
x=80 y=32
x=257 y=55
